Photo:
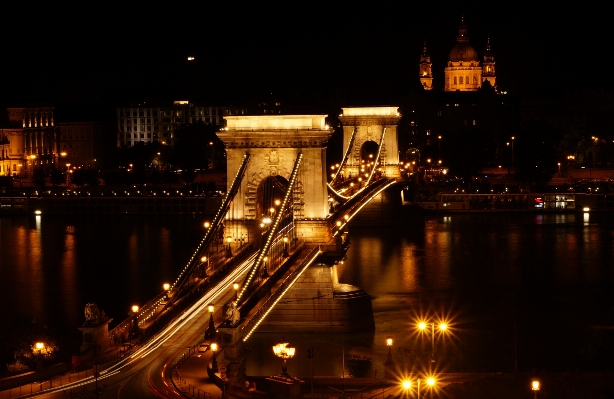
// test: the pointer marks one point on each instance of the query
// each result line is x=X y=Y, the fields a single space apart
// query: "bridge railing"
x=268 y=305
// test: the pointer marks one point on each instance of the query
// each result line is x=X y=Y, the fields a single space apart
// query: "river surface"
x=517 y=290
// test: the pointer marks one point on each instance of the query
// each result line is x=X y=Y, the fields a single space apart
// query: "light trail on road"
x=171 y=331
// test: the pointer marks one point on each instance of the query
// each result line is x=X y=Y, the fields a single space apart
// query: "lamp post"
x=389 y=365
x=423 y=327
x=228 y=250
x=284 y=352
x=535 y=387
x=135 y=321
x=39 y=361
x=236 y=288
x=265 y=274
x=210 y=331
x=214 y=359
x=513 y=138
x=559 y=164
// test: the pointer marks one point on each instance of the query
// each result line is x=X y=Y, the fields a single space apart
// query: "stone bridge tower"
x=274 y=142
x=367 y=125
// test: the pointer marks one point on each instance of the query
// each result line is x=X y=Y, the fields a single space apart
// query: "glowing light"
x=190 y=58
x=37 y=212
x=166 y=286
x=203 y=259
x=422 y=325
x=389 y=341
x=213 y=346
x=135 y=308
x=430 y=381
x=535 y=385
x=40 y=345
x=406 y=384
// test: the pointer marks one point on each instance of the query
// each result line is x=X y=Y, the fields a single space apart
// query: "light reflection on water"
x=52 y=266
x=486 y=273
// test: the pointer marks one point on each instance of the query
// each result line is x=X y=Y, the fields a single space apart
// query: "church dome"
x=463 y=52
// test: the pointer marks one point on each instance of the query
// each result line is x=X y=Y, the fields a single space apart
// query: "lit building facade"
x=149 y=124
x=81 y=144
x=463 y=71
x=12 y=151
x=38 y=137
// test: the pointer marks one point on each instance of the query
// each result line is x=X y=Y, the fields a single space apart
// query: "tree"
x=21 y=345
x=192 y=149
x=57 y=177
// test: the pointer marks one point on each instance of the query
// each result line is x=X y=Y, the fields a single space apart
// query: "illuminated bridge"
x=287 y=215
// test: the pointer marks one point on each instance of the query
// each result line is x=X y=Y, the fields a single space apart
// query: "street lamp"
x=166 y=286
x=513 y=138
x=535 y=387
x=559 y=164
x=214 y=359
x=228 y=250
x=204 y=259
x=135 y=321
x=236 y=288
x=282 y=351
x=286 y=247
x=422 y=326
x=210 y=331
x=265 y=274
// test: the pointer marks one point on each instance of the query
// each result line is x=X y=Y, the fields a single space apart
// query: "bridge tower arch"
x=363 y=125
x=274 y=142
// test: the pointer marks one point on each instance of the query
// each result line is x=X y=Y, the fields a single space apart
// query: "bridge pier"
x=318 y=303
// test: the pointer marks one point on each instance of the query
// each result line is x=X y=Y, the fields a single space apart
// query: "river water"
x=517 y=290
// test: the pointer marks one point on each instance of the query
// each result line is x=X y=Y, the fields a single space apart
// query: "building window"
x=460 y=80
x=467 y=79
x=475 y=80
x=455 y=80
x=474 y=122
x=412 y=123
x=428 y=132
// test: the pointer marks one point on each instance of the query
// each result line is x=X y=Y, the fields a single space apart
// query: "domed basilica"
x=463 y=71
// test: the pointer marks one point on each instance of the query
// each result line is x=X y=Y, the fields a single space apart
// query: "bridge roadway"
x=146 y=373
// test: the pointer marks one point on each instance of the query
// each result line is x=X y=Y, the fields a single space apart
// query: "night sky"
x=116 y=53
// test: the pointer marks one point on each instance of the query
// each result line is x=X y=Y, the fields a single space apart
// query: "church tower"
x=463 y=72
x=426 y=75
x=488 y=67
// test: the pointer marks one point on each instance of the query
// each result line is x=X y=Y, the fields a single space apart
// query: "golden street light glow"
x=166 y=286
x=190 y=58
x=443 y=326
x=213 y=346
x=422 y=325
x=389 y=341
x=135 y=308
x=207 y=225
x=203 y=259
x=210 y=308
x=406 y=384
x=277 y=202
x=235 y=286
x=40 y=346
x=430 y=381
x=535 y=385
